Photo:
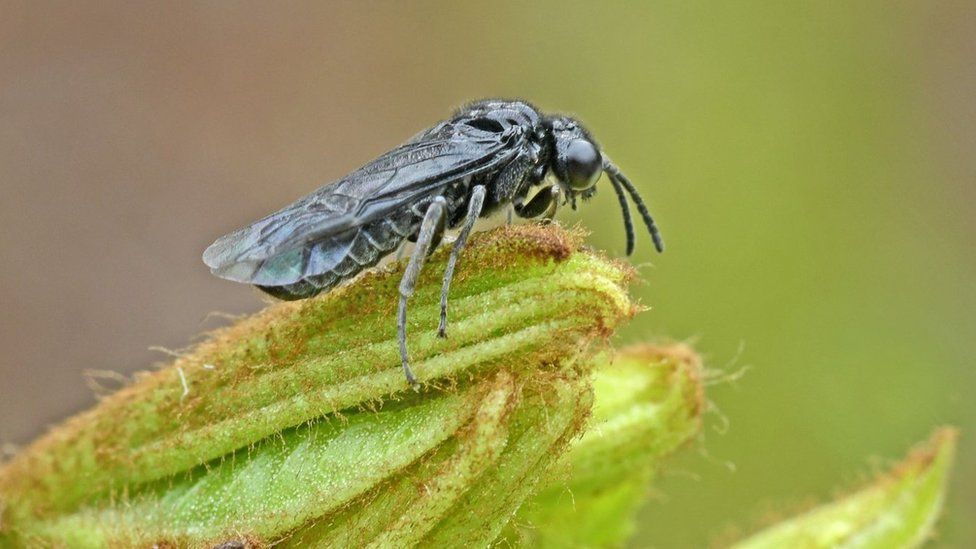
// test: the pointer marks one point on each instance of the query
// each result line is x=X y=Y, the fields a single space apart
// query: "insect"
x=491 y=155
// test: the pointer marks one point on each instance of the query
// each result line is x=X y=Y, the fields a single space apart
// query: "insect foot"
x=298 y=427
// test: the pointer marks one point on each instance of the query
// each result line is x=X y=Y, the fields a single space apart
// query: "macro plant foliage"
x=899 y=509
x=294 y=427
x=295 y=424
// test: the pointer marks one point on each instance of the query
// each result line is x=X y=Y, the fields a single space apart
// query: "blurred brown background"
x=811 y=166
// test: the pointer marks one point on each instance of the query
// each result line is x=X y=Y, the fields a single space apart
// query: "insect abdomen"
x=332 y=262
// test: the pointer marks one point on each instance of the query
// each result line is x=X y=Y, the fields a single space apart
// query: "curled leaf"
x=296 y=424
x=897 y=510
x=648 y=402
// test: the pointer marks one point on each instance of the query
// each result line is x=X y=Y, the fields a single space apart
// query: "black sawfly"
x=491 y=155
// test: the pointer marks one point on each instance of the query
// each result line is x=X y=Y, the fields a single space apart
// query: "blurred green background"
x=810 y=165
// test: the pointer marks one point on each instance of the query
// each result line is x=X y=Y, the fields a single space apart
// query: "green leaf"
x=898 y=510
x=296 y=424
x=648 y=402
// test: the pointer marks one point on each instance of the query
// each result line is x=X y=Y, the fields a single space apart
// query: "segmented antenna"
x=615 y=175
x=625 y=209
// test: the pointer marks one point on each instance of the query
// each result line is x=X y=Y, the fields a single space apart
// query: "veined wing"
x=422 y=166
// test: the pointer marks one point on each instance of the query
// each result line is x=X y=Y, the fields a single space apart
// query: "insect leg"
x=557 y=195
x=544 y=203
x=425 y=237
x=475 y=202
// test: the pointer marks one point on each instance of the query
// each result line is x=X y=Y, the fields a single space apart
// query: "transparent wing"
x=421 y=167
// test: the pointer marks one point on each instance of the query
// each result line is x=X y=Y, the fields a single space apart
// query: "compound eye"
x=581 y=164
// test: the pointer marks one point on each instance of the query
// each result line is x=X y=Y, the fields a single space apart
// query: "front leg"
x=544 y=204
x=433 y=220
x=475 y=202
